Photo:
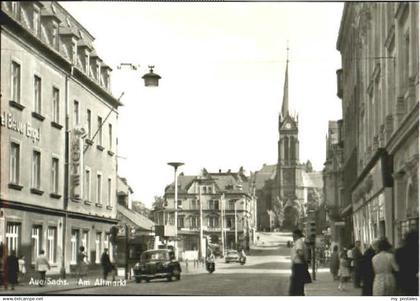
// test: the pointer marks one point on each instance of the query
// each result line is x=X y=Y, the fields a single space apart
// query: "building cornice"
x=407 y=126
x=53 y=211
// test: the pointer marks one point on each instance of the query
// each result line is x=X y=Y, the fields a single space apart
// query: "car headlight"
x=137 y=266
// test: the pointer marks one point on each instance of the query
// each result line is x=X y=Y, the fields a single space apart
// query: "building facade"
x=333 y=183
x=221 y=205
x=378 y=43
x=58 y=137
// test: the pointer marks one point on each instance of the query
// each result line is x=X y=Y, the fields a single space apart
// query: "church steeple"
x=285 y=104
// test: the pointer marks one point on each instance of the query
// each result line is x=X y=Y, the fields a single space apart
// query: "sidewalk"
x=325 y=286
x=72 y=283
x=57 y=285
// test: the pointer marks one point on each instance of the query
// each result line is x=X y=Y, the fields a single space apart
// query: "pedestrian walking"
x=11 y=270
x=366 y=270
x=300 y=274
x=407 y=260
x=22 y=268
x=81 y=262
x=42 y=266
x=357 y=256
x=349 y=253
x=106 y=263
x=344 y=270
x=384 y=266
x=334 y=263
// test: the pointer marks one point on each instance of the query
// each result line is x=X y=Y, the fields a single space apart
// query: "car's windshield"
x=152 y=256
x=232 y=253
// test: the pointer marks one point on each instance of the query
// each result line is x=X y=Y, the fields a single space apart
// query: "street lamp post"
x=175 y=165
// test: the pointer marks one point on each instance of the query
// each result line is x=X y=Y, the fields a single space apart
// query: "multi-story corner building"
x=210 y=202
x=379 y=45
x=58 y=137
x=333 y=183
x=282 y=190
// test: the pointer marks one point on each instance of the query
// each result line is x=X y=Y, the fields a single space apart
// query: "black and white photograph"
x=209 y=148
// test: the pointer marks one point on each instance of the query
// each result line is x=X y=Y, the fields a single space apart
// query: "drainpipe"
x=66 y=172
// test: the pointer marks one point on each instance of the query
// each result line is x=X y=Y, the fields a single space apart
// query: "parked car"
x=157 y=264
x=232 y=256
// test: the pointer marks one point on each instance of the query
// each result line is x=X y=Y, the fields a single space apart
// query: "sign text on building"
x=9 y=121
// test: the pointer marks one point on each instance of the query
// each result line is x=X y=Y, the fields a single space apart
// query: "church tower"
x=288 y=159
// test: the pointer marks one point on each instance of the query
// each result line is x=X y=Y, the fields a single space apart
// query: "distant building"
x=333 y=182
x=219 y=195
x=282 y=189
x=58 y=137
x=379 y=87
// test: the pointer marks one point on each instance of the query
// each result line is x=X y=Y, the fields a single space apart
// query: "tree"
x=278 y=209
x=159 y=203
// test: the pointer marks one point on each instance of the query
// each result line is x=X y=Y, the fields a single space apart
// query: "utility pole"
x=222 y=222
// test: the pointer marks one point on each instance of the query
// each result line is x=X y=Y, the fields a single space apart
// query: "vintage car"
x=157 y=264
x=232 y=256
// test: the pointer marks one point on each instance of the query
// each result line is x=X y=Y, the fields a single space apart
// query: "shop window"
x=52 y=244
x=36 y=236
x=13 y=237
x=75 y=241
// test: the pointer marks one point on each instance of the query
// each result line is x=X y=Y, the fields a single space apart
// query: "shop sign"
x=76 y=163
x=8 y=121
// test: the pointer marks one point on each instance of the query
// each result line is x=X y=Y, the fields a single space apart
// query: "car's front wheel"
x=176 y=272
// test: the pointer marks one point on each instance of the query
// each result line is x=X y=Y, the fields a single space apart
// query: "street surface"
x=265 y=273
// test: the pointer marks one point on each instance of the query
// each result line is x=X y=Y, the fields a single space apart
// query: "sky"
x=222 y=67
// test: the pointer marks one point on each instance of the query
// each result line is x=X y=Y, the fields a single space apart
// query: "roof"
x=266 y=173
x=312 y=179
x=138 y=219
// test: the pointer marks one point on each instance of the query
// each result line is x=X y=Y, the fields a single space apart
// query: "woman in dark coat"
x=366 y=271
x=12 y=269
x=334 y=263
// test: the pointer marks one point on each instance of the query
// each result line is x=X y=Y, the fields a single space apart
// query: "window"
x=36 y=22
x=99 y=131
x=54 y=175
x=36 y=170
x=76 y=113
x=54 y=36
x=15 y=82
x=109 y=201
x=195 y=222
x=56 y=105
x=14 y=163
x=87 y=185
x=36 y=241
x=181 y=221
x=37 y=94
x=211 y=204
x=74 y=245
x=99 y=189
x=85 y=243
x=98 y=247
x=193 y=204
x=89 y=123
x=52 y=244
x=110 y=135
x=108 y=245
x=13 y=237
x=231 y=205
x=230 y=222
x=213 y=222
x=406 y=62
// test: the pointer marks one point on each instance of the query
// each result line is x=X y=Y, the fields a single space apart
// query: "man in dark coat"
x=106 y=263
x=11 y=270
x=357 y=256
x=366 y=271
x=407 y=258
